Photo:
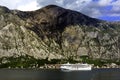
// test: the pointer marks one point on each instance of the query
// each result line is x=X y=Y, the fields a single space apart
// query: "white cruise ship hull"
x=75 y=67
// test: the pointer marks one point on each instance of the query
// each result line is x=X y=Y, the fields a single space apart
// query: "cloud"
x=104 y=2
x=112 y=9
x=29 y=6
x=9 y=3
x=115 y=11
x=24 y=5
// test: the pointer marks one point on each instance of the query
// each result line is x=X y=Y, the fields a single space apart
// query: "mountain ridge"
x=56 y=12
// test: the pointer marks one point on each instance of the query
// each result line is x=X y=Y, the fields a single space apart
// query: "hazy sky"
x=102 y=9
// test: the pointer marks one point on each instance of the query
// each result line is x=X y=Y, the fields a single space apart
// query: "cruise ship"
x=76 y=67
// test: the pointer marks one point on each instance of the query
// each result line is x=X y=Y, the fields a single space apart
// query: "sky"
x=102 y=9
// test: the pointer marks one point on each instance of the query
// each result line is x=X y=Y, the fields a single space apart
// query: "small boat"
x=76 y=67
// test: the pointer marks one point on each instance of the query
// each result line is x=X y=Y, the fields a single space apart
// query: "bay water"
x=56 y=74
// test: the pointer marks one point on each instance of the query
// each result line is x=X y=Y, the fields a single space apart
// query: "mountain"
x=55 y=33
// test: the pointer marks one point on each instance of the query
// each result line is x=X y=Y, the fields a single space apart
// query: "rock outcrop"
x=53 y=32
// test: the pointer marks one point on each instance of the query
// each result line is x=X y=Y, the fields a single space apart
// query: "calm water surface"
x=27 y=74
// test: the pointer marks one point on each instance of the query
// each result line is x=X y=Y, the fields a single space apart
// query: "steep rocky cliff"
x=53 y=32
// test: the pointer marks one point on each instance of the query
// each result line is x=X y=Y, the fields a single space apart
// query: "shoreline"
x=24 y=62
x=57 y=66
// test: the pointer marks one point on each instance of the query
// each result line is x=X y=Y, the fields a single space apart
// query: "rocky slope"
x=55 y=33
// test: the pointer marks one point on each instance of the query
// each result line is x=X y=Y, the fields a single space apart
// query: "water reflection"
x=112 y=74
x=96 y=74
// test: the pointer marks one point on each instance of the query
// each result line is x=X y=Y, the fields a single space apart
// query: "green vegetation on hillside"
x=31 y=62
x=24 y=62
